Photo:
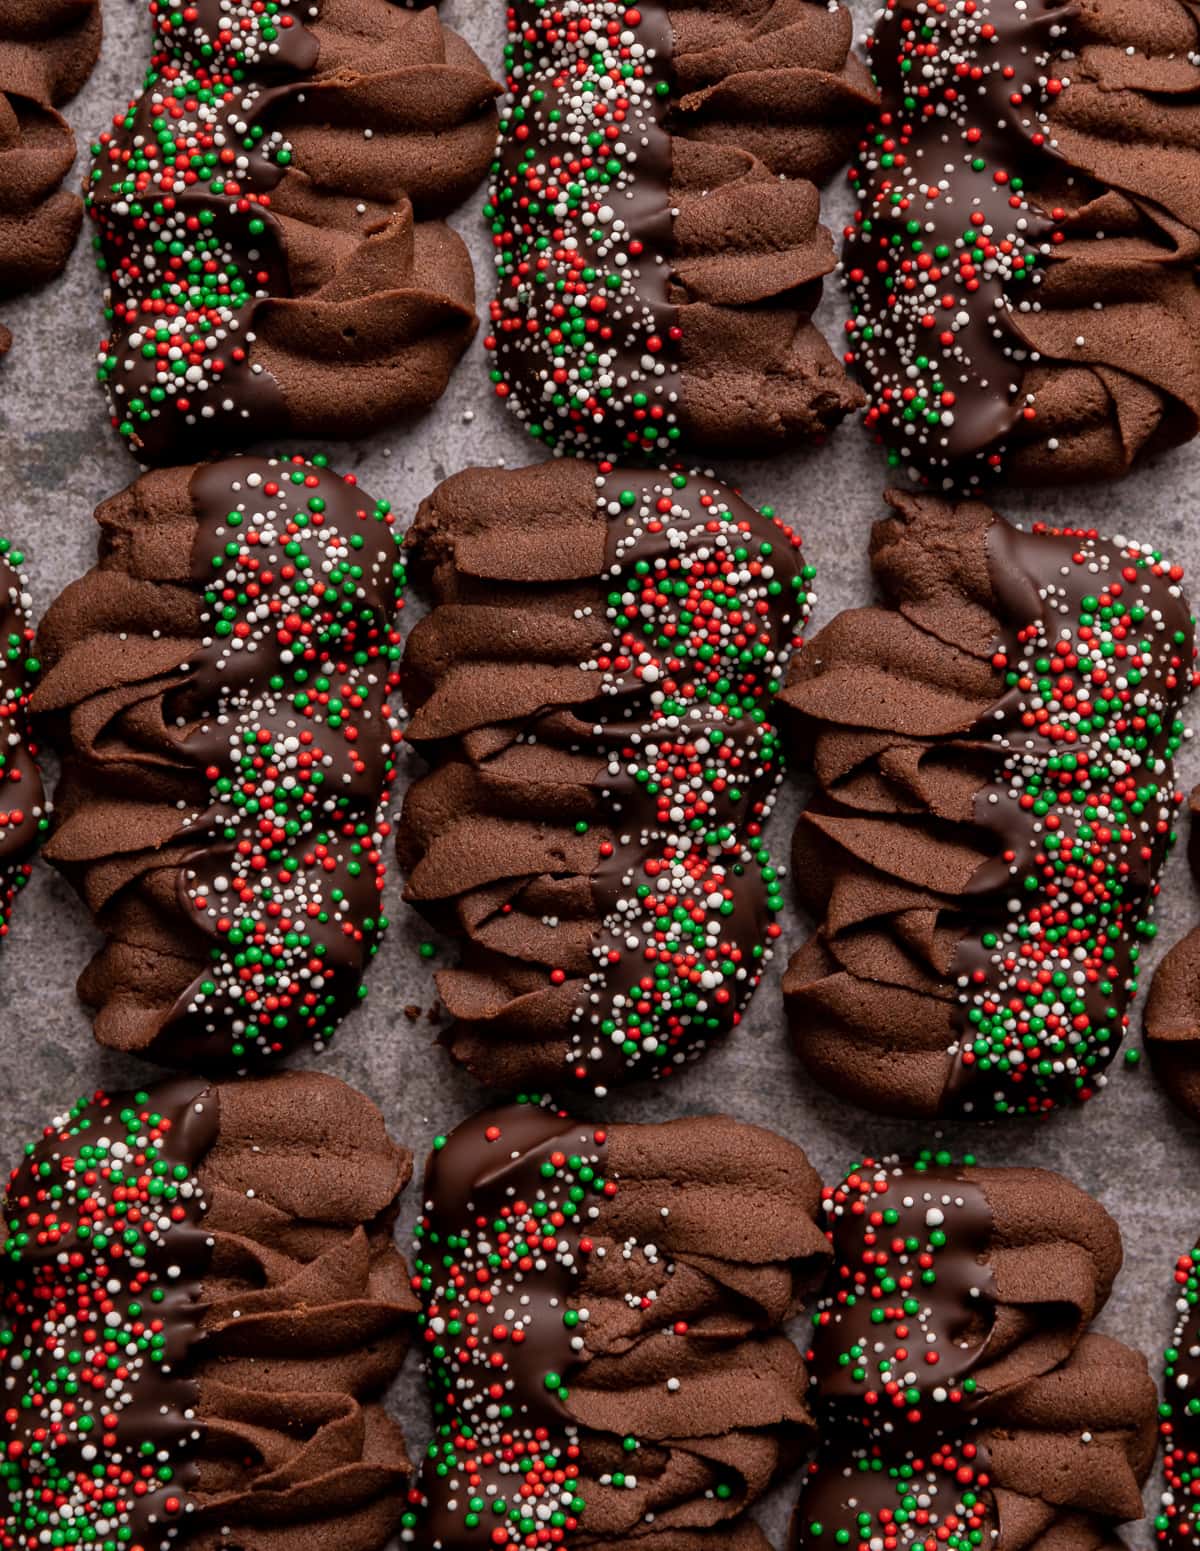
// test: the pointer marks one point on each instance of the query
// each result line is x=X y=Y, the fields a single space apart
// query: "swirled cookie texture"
x=1021 y=261
x=594 y=687
x=963 y=1400
x=994 y=751
x=203 y=1304
x=47 y=51
x=1172 y=1022
x=219 y=686
x=621 y=1291
x=261 y=219
x=658 y=244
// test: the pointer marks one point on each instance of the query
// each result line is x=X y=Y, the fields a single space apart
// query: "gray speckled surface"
x=58 y=459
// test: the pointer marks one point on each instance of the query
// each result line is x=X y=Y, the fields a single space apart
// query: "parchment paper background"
x=58 y=459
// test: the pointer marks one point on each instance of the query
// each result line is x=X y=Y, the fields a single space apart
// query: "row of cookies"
x=593 y=691
x=267 y=211
x=618 y=219
x=204 y=1306
x=266 y=214
x=1019 y=266
x=264 y=501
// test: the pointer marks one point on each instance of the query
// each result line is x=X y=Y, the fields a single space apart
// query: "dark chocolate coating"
x=658 y=247
x=1002 y=1270
x=623 y=1289
x=234 y=1244
x=219 y=686
x=47 y=51
x=299 y=293
x=1021 y=268
x=594 y=686
x=1054 y=1465
x=994 y=753
x=1178 y=1522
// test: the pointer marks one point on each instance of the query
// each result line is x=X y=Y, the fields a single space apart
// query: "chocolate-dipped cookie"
x=47 y=51
x=1021 y=262
x=203 y=1304
x=23 y=807
x=1172 y=1021
x=994 y=748
x=219 y=687
x=594 y=686
x=256 y=218
x=659 y=250
x=621 y=1290
x=963 y=1401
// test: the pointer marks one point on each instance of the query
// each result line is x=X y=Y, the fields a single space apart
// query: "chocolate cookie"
x=659 y=251
x=23 y=807
x=47 y=51
x=1021 y=263
x=994 y=751
x=622 y=1288
x=267 y=274
x=202 y=1306
x=219 y=687
x=962 y=1398
x=594 y=687
x=1172 y=1021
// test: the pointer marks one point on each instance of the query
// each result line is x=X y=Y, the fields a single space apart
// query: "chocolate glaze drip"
x=336 y=909
x=278 y=712
x=240 y=401
x=863 y=1493
x=474 y=1183
x=1020 y=249
x=676 y=754
x=108 y=1196
x=610 y=371
x=970 y=394
x=743 y=769
x=227 y=191
x=1052 y=580
x=903 y=1364
x=23 y=807
x=1010 y=800
x=213 y=28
